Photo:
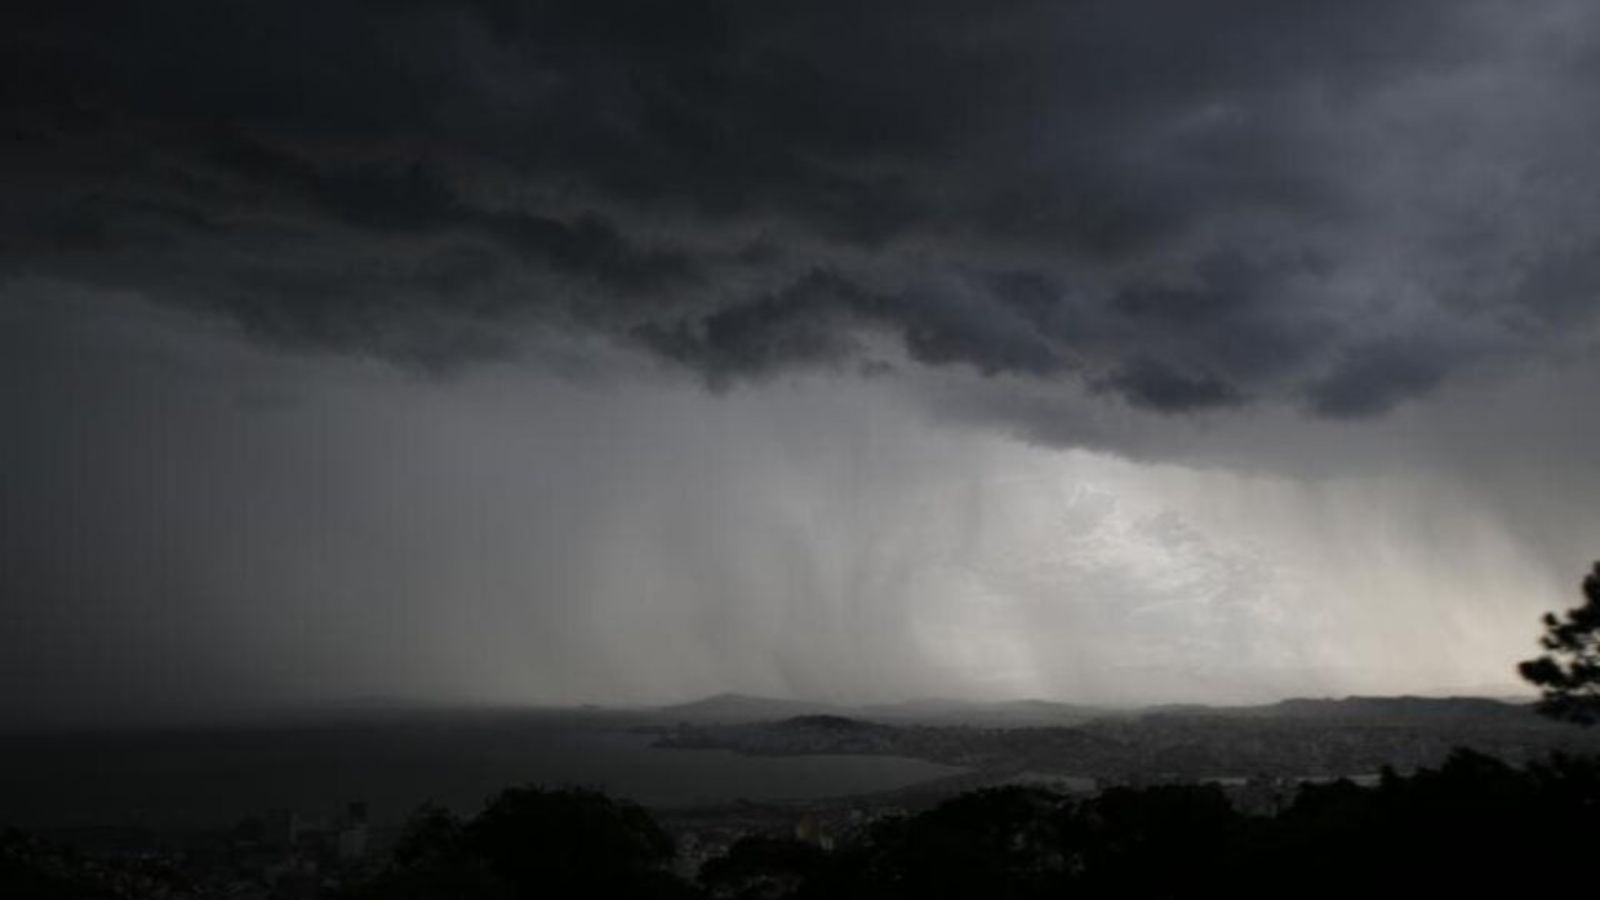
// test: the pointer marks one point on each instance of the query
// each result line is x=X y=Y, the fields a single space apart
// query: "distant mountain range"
x=1006 y=714
x=734 y=708
x=1289 y=739
x=738 y=708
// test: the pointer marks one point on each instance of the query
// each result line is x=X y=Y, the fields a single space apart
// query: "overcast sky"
x=633 y=351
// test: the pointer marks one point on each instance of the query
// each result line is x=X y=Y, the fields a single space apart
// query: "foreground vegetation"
x=1472 y=822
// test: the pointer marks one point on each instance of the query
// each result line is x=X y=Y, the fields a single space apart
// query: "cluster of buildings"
x=279 y=855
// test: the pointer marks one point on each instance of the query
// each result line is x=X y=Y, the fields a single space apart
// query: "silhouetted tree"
x=1002 y=843
x=432 y=860
x=1157 y=841
x=530 y=842
x=1569 y=673
x=762 y=867
x=571 y=843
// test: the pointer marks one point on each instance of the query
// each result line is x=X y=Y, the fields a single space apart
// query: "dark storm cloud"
x=1188 y=206
x=1373 y=378
x=1154 y=385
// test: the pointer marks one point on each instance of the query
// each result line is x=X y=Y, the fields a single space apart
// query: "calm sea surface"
x=219 y=776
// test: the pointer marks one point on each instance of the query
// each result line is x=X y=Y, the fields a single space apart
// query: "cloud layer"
x=626 y=350
x=1330 y=207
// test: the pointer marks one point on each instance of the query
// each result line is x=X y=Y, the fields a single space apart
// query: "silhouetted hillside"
x=1292 y=739
x=745 y=708
x=828 y=723
x=1400 y=709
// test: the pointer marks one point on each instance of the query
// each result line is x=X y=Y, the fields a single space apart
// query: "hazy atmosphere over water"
x=628 y=352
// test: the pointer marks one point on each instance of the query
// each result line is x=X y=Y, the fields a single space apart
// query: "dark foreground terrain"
x=1473 y=825
x=1320 y=798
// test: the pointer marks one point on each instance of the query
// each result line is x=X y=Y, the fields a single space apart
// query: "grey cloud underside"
x=1184 y=206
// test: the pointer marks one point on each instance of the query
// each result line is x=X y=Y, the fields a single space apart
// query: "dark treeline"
x=1473 y=823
